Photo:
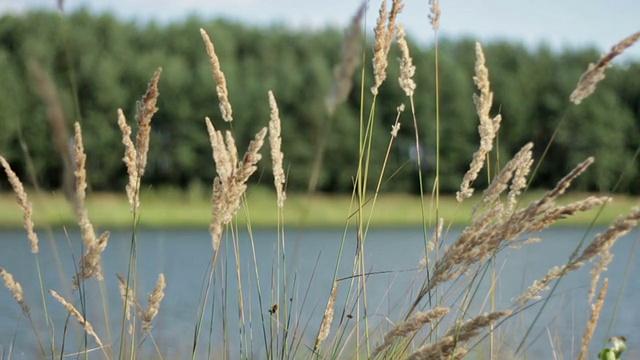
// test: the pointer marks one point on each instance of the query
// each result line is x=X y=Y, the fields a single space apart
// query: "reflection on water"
x=392 y=257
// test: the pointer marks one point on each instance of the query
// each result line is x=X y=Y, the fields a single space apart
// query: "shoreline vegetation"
x=175 y=209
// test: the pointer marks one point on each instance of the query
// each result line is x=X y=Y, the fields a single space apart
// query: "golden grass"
x=492 y=221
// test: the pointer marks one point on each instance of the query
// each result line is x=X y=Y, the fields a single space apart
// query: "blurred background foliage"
x=99 y=64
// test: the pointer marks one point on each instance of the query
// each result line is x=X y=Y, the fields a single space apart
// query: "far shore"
x=176 y=209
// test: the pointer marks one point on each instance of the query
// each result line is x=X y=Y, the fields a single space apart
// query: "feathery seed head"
x=24 y=203
x=219 y=78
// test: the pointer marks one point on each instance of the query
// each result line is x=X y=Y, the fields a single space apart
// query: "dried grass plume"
x=15 y=289
x=218 y=76
x=414 y=323
x=434 y=17
x=275 y=142
x=153 y=306
x=344 y=70
x=595 y=72
x=407 y=69
x=24 y=203
x=384 y=32
x=135 y=157
x=327 y=319
x=81 y=320
x=488 y=127
x=230 y=184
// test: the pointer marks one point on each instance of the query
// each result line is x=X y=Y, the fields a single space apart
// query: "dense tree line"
x=99 y=64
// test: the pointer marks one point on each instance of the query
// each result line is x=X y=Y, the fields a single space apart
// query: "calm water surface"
x=391 y=257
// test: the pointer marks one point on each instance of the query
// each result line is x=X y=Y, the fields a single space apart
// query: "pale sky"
x=558 y=23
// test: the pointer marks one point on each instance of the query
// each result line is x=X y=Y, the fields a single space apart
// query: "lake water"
x=391 y=257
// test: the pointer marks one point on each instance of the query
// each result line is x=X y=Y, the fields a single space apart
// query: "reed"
x=595 y=73
x=81 y=320
x=435 y=318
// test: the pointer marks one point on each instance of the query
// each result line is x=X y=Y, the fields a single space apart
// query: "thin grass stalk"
x=383 y=38
x=394 y=132
x=275 y=141
x=407 y=70
x=625 y=279
x=296 y=345
x=223 y=277
x=202 y=303
x=289 y=335
x=258 y=287
x=241 y=312
x=435 y=21
x=339 y=91
x=282 y=292
x=340 y=335
x=30 y=168
x=273 y=320
x=361 y=188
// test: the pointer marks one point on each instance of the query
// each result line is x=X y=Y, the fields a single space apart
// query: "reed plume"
x=24 y=203
x=275 y=142
x=57 y=122
x=600 y=244
x=394 y=129
x=130 y=161
x=145 y=109
x=407 y=327
x=407 y=69
x=605 y=258
x=384 y=32
x=218 y=76
x=595 y=72
x=90 y=264
x=488 y=127
x=153 y=306
x=460 y=333
x=432 y=243
x=128 y=297
x=396 y=8
x=434 y=16
x=379 y=48
x=15 y=289
x=515 y=171
x=81 y=320
x=135 y=157
x=230 y=184
x=80 y=173
x=350 y=59
x=327 y=318
x=492 y=229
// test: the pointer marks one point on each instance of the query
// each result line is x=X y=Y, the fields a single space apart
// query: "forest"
x=83 y=67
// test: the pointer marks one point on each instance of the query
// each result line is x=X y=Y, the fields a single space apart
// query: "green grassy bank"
x=172 y=208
